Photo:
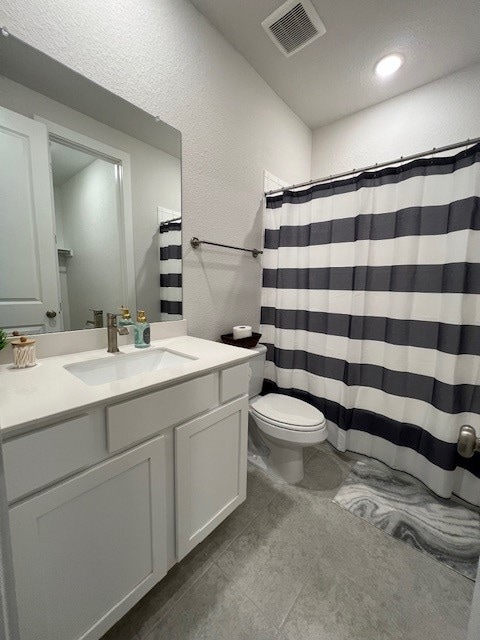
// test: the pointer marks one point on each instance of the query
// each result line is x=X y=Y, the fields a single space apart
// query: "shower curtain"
x=371 y=312
x=171 y=270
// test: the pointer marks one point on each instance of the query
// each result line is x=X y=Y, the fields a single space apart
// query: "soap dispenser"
x=126 y=318
x=142 y=331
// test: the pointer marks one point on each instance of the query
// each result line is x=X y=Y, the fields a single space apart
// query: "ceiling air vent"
x=294 y=25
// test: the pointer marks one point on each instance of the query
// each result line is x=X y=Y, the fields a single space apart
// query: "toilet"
x=283 y=425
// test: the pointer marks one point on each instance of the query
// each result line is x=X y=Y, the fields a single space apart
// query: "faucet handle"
x=112 y=319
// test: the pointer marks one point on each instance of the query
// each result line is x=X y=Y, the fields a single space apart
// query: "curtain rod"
x=469 y=141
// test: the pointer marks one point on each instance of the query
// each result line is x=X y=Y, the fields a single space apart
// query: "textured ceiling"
x=333 y=76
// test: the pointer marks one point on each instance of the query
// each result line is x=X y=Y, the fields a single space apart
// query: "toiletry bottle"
x=126 y=319
x=142 y=331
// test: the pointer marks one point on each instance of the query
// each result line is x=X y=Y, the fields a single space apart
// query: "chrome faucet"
x=112 y=332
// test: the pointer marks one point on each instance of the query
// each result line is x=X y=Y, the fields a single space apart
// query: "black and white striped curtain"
x=171 y=270
x=371 y=312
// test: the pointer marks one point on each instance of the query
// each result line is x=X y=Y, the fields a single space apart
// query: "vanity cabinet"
x=210 y=472
x=88 y=549
x=105 y=502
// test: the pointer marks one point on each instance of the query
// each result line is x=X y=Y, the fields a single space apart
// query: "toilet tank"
x=257 y=368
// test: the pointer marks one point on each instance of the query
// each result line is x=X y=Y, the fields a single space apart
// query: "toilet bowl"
x=285 y=424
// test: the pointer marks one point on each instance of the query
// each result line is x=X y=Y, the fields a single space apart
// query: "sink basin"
x=126 y=365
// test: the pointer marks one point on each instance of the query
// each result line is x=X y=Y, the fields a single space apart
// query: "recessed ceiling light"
x=388 y=65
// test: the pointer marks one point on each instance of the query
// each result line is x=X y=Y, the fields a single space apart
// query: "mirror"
x=90 y=201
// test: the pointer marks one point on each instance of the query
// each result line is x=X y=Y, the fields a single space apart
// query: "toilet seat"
x=290 y=435
x=285 y=412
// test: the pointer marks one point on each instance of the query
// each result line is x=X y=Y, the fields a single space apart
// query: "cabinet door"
x=210 y=471
x=88 y=549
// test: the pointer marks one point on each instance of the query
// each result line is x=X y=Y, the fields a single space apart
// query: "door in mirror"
x=29 y=284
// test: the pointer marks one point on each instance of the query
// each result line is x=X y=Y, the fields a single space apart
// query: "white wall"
x=437 y=114
x=165 y=57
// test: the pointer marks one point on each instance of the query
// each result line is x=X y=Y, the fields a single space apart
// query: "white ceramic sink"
x=125 y=365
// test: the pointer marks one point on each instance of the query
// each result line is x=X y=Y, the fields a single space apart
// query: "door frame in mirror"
x=122 y=159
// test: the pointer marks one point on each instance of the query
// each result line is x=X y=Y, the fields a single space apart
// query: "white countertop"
x=31 y=398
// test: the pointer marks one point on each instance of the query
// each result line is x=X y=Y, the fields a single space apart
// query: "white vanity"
x=110 y=484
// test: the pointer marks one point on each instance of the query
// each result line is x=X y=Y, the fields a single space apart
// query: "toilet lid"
x=289 y=411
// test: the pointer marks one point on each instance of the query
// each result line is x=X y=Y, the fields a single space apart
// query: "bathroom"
x=144 y=497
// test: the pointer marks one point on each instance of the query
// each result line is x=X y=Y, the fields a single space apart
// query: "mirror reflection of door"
x=87 y=215
x=29 y=299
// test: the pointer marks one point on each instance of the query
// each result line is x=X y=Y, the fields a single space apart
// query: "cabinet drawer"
x=234 y=382
x=141 y=418
x=45 y=456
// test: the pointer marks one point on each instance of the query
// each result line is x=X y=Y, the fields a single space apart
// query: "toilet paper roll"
x=242 y=331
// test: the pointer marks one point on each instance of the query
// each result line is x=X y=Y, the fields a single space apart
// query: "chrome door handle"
x=51 y=314
x=468 y=442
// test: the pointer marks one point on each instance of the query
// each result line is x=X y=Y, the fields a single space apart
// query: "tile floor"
x=289 y=564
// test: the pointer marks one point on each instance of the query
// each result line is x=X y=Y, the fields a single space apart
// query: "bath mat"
x=405 y=509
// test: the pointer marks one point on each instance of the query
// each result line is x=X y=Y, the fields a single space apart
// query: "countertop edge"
x=27 y=426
